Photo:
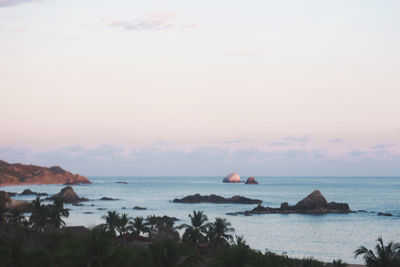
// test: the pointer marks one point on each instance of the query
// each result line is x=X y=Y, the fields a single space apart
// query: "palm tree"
x=386 y=256
x=112 y=220
x=151 y=221
x=56 y=212
x=218 y=232
x=165 y=229
x=123 y=223
x=138 y=226
x=196 y=232
x=39 y=216
x=240 y=242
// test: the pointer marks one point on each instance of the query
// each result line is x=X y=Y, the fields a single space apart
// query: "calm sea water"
x=325 y=237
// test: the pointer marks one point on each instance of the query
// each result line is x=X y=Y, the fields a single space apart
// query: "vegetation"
x=41 y=240
x=384 y=255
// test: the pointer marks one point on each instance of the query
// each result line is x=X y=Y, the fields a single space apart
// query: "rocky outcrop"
x=28 y=192
x=197 y=198
x=251 y=180
x=314 y=203
x=14 y=174
x=108 y=198
x=385 y=214
x=6 y=202
x=232 y=178
x=139 y=208
x=67 y=195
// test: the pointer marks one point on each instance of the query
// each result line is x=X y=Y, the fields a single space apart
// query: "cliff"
x=14 y=174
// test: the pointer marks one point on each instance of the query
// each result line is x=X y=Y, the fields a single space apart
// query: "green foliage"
x=197 y=230
x=218 y=233
x=43 y=216
x=384 y=255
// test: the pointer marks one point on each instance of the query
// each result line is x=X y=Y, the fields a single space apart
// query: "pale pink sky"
x=313 y=85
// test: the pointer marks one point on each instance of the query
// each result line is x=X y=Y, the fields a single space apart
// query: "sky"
x=202 y=88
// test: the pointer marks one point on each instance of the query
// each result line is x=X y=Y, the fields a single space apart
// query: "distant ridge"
x=15 y=174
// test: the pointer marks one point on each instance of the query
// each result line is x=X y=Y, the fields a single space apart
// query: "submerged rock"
x=232 y=178
x=251 y=180
x=197 y=198
x=68 y=195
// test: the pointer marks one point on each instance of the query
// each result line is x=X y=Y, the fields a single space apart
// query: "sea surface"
x=325 y=237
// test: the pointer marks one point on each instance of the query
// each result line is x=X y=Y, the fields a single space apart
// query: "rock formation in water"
x=108 y=198
x=232 y=178
x=197 y=198
x=28 y=192
x=314 y=203
x=251 y=180
x=67 y=195
x=14 y=174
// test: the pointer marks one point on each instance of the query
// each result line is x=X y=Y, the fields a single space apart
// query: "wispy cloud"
x=383 y=146
x=116 y=160
x=297 y=139
x=7 y=3
x=233 y=141
x=278 y=143
x=336 y=140
x=151 y=22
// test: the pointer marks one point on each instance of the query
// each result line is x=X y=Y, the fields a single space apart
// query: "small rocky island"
x=68 y=195
x=251 y=180
x=314 y=203
x=232 y=178
x=14 y=174
x=197 y=198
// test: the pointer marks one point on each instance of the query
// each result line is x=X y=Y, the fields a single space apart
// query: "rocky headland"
x=15 y=174
x=314 y=203
x=197 y=198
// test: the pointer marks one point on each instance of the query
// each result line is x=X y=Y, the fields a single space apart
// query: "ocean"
x=325 y=237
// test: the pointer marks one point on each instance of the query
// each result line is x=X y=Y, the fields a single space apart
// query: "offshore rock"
x=28 y=192
x=232 y=178
x=67 y=195
x=251 y=180
x=197 y=198
x=314 y=203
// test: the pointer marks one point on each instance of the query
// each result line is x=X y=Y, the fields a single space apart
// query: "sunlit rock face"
x=232 y=178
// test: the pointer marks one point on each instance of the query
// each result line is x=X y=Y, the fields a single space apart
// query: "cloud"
x=278 y=143
x=336 y=140
x=233 y=141
x=111 y=160
x=383 y=146
x=7 y=3
x=152 y=22
x=162 y=143
x=356 y=153
x=297 y=139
